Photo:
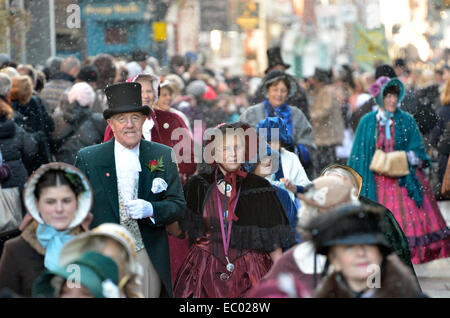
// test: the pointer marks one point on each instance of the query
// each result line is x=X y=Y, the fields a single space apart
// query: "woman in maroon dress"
x=235 y=238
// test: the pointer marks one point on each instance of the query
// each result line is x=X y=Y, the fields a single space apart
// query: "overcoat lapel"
x=145 y=176
x=108 y=176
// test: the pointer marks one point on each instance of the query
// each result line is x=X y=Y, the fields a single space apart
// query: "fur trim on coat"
x=29 y=236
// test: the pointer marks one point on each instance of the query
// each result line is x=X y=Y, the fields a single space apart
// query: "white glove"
x=139 y=209
x=412 y=158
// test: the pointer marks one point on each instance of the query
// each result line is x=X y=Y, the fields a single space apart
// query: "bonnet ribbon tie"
x=386 y=121
x=53 y=241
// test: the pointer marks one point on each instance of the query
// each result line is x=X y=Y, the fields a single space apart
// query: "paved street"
x=434 y=277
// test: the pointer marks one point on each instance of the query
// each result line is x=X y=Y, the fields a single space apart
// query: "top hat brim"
x=275 y=64
x=356 y=239
x=107 y=113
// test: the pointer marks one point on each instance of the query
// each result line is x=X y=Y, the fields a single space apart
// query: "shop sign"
x=248 y=15
x=133 y=10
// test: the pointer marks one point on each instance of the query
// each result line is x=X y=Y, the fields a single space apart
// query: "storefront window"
x=116 y=35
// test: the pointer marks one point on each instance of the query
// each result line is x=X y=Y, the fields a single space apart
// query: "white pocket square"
x=159 y=185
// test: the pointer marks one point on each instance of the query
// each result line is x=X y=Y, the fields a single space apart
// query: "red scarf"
x=231 y=178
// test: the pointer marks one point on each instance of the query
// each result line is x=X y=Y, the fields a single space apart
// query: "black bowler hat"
x=274 y=58
x=124 y=98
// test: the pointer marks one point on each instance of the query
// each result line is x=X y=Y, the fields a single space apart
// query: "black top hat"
x=384 y=70
x=349 y=225
x=124 y=98
x=274 y=58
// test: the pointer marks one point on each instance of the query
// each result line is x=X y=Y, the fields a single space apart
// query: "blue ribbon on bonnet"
x=386 y=120
x=53 y=241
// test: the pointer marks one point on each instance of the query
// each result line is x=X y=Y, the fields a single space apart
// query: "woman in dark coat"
x=16 y=145
x=363 y=265
x=58 y=197
x=35 y=119
x=235 y=238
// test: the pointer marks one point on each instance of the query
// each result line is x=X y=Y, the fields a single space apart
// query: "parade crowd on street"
x=99 y=172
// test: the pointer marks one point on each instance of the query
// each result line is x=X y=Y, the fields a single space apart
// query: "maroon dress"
x=200 y=274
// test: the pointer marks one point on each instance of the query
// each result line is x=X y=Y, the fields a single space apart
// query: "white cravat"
x=127 y=168
x=147 y=128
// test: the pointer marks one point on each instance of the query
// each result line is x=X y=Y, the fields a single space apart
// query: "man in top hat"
x=136 y=184
x=275 y=60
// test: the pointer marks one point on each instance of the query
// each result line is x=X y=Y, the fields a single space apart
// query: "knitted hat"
x=98 y=273
x=354 y=224
x=196 y=88
x=83 y=93
x=210 y=94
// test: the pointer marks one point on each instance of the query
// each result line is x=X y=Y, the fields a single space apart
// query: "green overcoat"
x=98 y=164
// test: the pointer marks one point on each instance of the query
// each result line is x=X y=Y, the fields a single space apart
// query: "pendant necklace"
x=226 y=240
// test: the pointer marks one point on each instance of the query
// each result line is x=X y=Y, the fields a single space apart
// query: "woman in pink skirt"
x=409 y=197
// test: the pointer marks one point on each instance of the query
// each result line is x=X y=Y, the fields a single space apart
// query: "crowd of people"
x=99 y=171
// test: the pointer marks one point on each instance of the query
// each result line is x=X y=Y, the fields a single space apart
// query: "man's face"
x=127 y=128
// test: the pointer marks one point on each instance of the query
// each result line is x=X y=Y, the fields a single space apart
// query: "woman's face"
x=390 y=102
x=147 y=93
x=75 y=291
x=165 y=99
x=230 y=153
x=57 y=206
x=264 y=168
x=353 y=261
x=277 y=94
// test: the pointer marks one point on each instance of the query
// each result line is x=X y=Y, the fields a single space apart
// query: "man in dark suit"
x=136 y=184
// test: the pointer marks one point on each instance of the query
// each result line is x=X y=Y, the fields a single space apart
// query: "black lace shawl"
x=262 y=223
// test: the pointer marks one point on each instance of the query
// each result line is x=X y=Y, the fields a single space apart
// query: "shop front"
x=115 y=27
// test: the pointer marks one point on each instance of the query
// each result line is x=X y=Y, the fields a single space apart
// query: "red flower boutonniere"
x=156 y=165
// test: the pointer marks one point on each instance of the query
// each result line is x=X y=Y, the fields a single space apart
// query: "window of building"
x=116 y=35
